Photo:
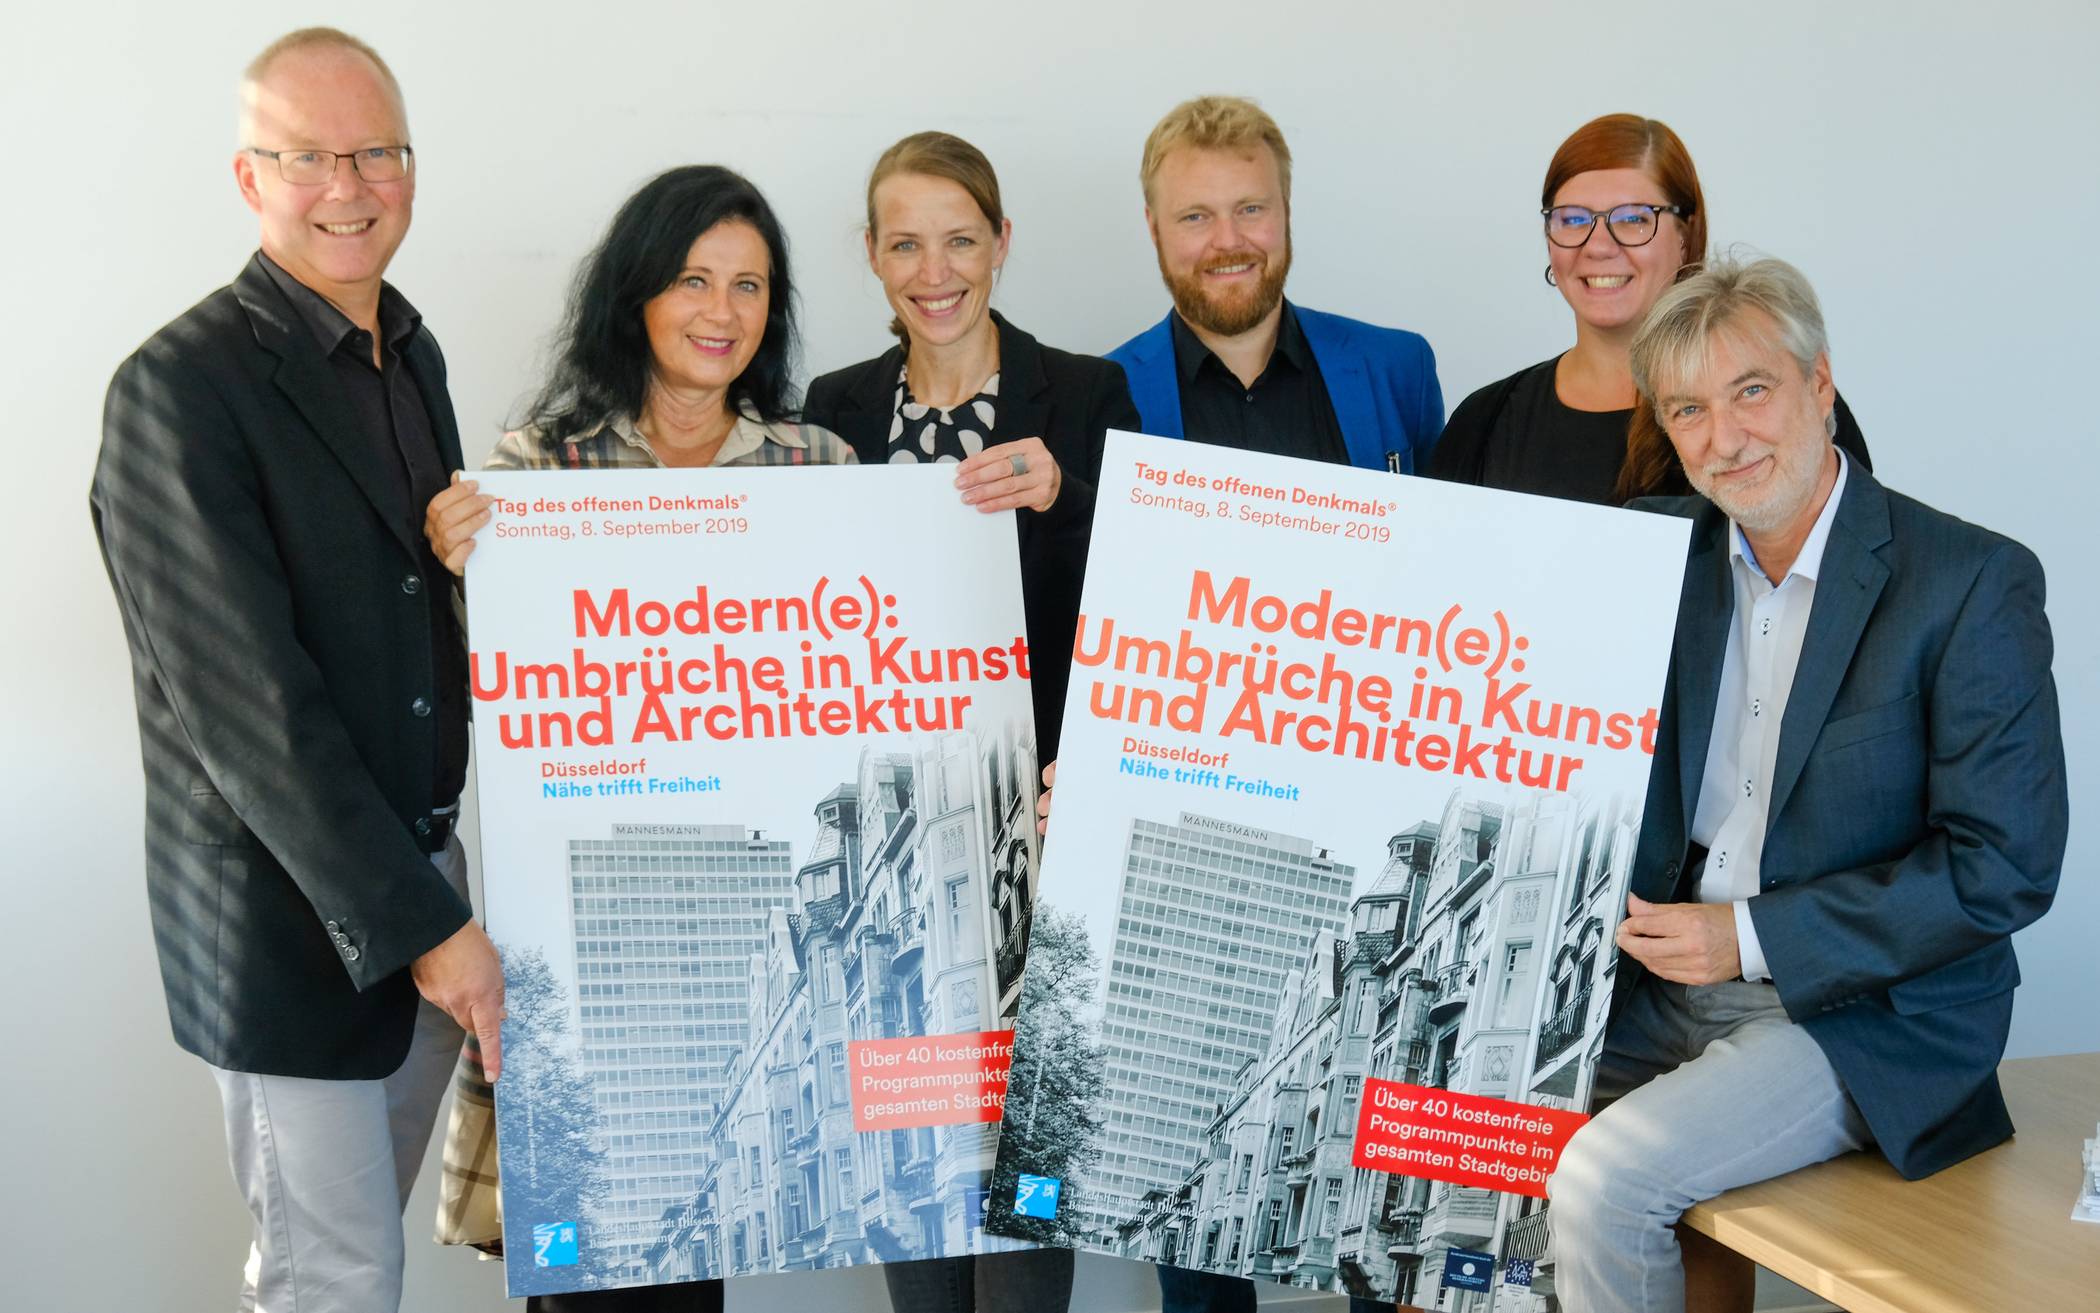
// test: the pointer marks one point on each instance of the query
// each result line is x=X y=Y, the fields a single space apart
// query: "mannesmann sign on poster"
x=1352 y=768
x=756 y=781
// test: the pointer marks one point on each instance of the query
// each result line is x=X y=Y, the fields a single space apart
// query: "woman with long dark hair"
x=677 y=350
x=1624 y=219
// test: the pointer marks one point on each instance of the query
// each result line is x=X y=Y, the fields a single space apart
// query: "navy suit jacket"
x=1381 y=382
x=1918 y=809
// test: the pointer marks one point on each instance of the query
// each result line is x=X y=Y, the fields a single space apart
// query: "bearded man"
x=1234 y=363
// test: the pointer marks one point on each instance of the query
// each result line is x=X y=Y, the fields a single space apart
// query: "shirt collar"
x=748 y=436
x=1190 y=353
x=1809 y=562
x=398 y=320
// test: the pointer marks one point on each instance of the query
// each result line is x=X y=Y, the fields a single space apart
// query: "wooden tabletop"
x=1994 y=1232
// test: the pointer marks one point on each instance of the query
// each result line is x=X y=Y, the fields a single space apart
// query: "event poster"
x=1351 y=775
x=757 y=782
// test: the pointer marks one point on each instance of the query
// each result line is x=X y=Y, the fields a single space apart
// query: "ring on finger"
x=1019 y=464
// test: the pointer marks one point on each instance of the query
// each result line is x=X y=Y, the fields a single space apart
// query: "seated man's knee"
x=1602 y=1181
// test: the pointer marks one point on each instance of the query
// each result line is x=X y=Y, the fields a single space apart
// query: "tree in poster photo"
x=1056 y=1082
x=546 y=1105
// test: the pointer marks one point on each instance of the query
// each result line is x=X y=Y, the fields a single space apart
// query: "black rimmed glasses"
x=1631 y=224
x=310 y=168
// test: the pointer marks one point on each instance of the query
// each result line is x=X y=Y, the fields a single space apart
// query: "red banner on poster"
x=929 y=1080
x=1495 y=1144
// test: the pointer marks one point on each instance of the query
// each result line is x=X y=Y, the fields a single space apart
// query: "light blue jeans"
x=1714 y=1087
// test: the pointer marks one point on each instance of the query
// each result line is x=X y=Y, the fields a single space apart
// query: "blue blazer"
x=1918 y=807
x=1381 y=381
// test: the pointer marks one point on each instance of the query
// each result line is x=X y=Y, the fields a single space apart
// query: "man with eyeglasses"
x=300 y=678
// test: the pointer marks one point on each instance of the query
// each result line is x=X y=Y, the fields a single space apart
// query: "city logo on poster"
x=1517 y=1272
x=1036 y=1196
x=1468 y=1269
x=554 y=1244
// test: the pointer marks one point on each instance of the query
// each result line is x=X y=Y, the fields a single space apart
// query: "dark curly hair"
x=602 y=357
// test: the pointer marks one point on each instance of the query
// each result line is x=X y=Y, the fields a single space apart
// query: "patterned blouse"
x=617 y=444
x=923 y=434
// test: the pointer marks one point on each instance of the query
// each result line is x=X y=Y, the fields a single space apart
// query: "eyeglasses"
x=1631 y=225
x=311 y=168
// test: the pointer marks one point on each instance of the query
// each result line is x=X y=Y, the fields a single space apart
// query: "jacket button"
x=412 y=584
x=420 y=707
x=422 y=825
x=334 y=929
x=341 y=940
x=1670 y=870
x=351 y=955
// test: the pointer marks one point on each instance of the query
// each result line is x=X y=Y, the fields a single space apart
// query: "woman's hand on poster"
x=1009 y=476
x=452 y=519
x=1042 y=801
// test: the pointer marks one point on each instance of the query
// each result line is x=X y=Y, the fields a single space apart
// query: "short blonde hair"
x=1215 y=123
x=312 y=38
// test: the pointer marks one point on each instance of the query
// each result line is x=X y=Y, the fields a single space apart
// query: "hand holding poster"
x=756 y=779
x=1351 y=772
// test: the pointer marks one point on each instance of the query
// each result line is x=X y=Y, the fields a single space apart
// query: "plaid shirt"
x=470 y=1201
x=617 y=444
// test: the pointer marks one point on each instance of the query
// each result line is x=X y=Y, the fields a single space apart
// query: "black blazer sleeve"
x=186 y=527
x=1107 y=406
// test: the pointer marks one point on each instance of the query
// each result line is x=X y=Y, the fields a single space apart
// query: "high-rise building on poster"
x=758 y=847
x=1349 y=782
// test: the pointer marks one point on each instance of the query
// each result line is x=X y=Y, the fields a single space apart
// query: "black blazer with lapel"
x=280 y=641
x=1918 y=809
x=1069 y=401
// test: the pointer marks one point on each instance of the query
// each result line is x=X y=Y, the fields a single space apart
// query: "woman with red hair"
x=1624 y=218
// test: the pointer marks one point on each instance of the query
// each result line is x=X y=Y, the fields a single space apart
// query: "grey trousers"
x=326 y=1167
x=1713 y=1087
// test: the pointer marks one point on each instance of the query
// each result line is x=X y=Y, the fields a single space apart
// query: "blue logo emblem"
x=1468 y=1269
x=1036 y=1196
x=1517 y=1272
x=554 y=1244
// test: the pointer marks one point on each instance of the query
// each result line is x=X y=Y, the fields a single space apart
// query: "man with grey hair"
x=1857 y=797
x=300 y=679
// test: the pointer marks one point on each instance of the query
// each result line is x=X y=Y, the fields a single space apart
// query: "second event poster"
x=1351 y=774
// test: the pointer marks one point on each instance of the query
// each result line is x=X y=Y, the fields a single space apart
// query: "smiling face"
x=1607 y=285
x=707 y=325
x=1222 y=230
x=1752 y=427
x=335 y=237
x=935 y=252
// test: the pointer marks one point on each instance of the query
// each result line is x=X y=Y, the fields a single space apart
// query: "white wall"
x=1930 y=166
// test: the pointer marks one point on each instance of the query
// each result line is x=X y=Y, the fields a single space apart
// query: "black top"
x=391 y=418
x=1287 y=412
x=1518 y=435
x=1070 y=402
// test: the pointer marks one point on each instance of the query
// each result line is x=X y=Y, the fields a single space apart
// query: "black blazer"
x=1918 y=805
x=280 y=647
x=1070 y=402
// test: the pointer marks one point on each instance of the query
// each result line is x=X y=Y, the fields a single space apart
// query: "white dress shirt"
x=1757 y=676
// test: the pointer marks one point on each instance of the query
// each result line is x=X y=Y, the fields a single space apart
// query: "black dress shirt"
x=1287 y=412
x=391 y=416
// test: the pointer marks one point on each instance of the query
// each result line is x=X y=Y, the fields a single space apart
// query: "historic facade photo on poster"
x=756 y=775
x=1352 y=768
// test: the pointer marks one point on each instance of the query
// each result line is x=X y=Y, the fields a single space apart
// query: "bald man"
x=301 y=688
